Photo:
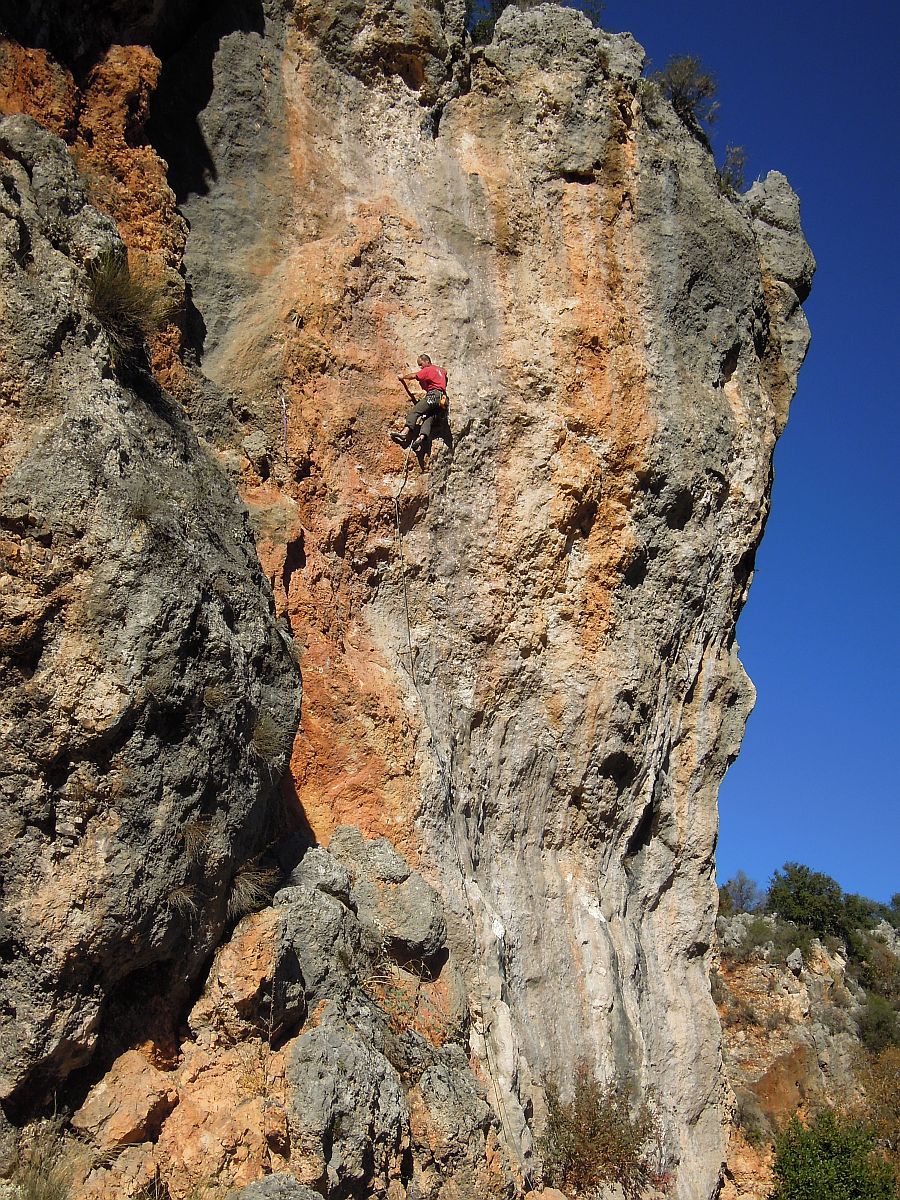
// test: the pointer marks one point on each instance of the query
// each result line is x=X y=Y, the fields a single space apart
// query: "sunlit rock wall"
x=536 y=694
x=622 y=340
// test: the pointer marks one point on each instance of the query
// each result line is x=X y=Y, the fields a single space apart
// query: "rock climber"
x=416 y=431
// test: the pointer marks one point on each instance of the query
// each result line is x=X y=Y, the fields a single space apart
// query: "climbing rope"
x=447 y=782
x=412 y=662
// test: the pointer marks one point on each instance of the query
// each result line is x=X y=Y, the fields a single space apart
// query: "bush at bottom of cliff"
x=599 y=1137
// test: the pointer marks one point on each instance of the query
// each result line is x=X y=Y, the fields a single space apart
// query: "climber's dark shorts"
x=425 y=409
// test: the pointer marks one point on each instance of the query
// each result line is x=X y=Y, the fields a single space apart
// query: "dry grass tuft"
x=130 y=302
x=194 y=838
x=183 y=900
x=215 y=697
x=46 y=1168
x=270 y=740
x=251 y=889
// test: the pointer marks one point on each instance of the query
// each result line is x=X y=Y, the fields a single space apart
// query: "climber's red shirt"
x=432 y=377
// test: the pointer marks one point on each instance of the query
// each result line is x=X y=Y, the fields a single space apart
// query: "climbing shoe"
x=418 y=444
x=399 y=438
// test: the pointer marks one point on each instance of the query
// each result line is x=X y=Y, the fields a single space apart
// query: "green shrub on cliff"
x=834 y=1158
x=782 y=937
x=691 y=89
x=874 y=965
x=880 y=1078
x=598 y=1138
x=878 y=1025
x=129 y=301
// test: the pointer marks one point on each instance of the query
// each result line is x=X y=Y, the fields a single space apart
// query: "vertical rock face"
x=518 y=661
x=550 y=728
x=148 y=695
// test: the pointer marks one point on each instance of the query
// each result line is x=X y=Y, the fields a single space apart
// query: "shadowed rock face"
x=148 y=696
x=622 y=341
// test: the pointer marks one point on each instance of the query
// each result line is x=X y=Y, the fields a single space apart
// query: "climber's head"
x=423 y=360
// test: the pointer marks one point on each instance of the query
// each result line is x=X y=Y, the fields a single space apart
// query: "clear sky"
x=811 y=89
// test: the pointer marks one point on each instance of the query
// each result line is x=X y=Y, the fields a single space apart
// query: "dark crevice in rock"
x=78 y=35
x=586 y=177
x=184 y=90
x=745 y=566
x=620 y=767
x=194 y=325
x=142 y=1008
x=581 y=522
x=408 y=66
x=294 y=560
x=729 y=363
x=680 y=509
x=642 y=834
x=636 y=571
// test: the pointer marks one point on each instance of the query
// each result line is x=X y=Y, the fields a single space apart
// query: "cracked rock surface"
x=141 y=652
x=546 y=737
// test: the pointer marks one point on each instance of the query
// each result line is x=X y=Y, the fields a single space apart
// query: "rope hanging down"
x=446 y=779
x=412 y=664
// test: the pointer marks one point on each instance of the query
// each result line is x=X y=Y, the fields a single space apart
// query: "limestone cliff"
x=141 y=659
x=518 y=655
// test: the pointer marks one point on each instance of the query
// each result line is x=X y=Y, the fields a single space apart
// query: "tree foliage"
x=740 y=894
x=691 y=89
x=833 y=1158
x=808 y=898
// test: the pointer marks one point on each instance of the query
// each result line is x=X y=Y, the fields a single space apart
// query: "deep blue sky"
x=811 y=89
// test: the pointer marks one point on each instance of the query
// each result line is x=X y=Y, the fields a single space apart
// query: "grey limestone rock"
x=349 y=1116
x=775 y=213
x=320 y=871
x=623 y=341
x=457 y=1105
x=142 y=656
x=280 y=1186
x=389 y=898
x=318 y=943
x=9 y=1147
